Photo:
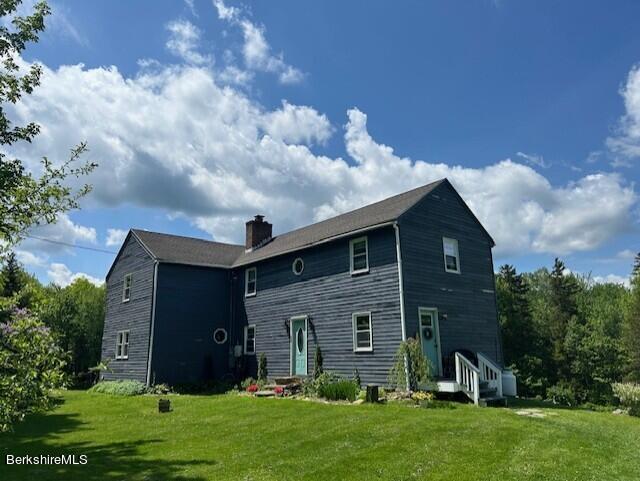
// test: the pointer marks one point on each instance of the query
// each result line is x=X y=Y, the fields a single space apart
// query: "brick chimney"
x=258 y=232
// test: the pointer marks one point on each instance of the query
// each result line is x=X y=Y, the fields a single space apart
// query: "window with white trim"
x=122 y=345
x=126 y=288
x=250 y=339
x=250 y=281
x=359 y=255
x=362 y=336
x=451 y=255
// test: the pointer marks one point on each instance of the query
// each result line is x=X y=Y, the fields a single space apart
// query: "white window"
x=451 y=256
x=250 y=281
x=359 y=251
x=122 y=345
x=362 y=338
x=126 y=288
x=298 y=266
x=250 y=339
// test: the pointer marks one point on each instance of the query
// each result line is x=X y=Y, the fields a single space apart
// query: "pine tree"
x=12 y=276
x=632 y=325
x=563 y=307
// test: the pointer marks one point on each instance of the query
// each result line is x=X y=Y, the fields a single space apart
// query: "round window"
x=220 y=336
x=298 y=266
x=300 y=340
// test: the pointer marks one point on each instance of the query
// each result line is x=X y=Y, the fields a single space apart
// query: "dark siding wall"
x=328 y=293
x=468 y=298
x=191 y=303
x=134 y=315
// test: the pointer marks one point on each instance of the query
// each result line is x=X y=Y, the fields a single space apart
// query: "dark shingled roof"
x=188 y=250
x=386 y=210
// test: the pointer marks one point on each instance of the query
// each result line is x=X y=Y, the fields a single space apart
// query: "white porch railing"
x=468 y=377
x=490 y=373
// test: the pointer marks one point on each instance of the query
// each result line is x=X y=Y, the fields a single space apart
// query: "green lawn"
x=241 y=438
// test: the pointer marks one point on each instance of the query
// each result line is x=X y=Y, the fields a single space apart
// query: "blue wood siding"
x=467 y=299
x=329 y=295
x=191 y=303
x=134 y=315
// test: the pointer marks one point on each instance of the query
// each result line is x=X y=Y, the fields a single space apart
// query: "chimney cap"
x=258 y=217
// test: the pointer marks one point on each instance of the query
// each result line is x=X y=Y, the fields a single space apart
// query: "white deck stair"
x=482 y=383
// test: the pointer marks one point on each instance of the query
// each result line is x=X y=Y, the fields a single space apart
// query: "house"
x=181 y=309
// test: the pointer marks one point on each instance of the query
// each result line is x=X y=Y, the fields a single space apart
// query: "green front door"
x=299 y=346
x=429 y=337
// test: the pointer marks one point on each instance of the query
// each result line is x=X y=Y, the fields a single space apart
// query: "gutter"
x=403 y=324
x=153 y=318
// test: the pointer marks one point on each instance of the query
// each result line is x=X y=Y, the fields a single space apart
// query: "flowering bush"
x=420 y=396
x=31 y=365
x=253 y=388
x=279 y=390
x=629 y=395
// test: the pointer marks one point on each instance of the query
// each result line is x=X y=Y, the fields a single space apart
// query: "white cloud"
x=30 y=259
x=612 y=279
x=626 y=142
x=626 y=254
x=534 y=159
x=256 y=50
x=115 y=237
x=295 y=124
x=179 y=139
x=191 y=6
x=183 y=42
x=61 y=275
x=63 y=232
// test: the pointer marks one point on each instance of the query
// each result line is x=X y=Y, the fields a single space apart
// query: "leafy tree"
x=632 y=325
x=26 y=200
x=410 y=367
x=75 y=314
x=31 y=365
x=520 y=335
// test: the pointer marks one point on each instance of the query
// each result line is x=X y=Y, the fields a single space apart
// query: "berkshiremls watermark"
x=46 y=459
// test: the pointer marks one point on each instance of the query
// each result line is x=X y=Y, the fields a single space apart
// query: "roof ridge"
x=186 y=237
x=367 y=206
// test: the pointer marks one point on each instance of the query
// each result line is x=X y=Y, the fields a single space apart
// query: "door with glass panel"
x=299 y=346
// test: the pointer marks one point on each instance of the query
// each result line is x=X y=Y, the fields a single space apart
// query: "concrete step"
x=285 y=381
x=494 y=401
x=264 y=394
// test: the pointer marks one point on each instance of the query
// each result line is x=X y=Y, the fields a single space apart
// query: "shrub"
x=31 y=365
x=120 y=388
x=279 y=391
x=410 y=364
x=311 y=387
x=629 y=395
x=420 y=396
x=247 y=382
x=339 y=390
x=563 y=395
x=159 y=389
x=253 y=388
x=262 y=368
x=317 y=363
x=356 y=377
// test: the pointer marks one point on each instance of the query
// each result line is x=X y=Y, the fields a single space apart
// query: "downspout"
x=396 y=228
x=153 y=318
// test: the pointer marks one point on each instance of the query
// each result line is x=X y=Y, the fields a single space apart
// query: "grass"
x=241 y=438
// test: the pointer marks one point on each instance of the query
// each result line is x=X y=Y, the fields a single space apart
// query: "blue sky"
x=204 y=113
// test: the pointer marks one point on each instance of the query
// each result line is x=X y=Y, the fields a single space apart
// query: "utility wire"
x=95 y=249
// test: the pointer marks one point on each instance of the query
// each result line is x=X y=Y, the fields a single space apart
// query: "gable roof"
x=188 y=250
x=367 y=217
x=193 y=251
